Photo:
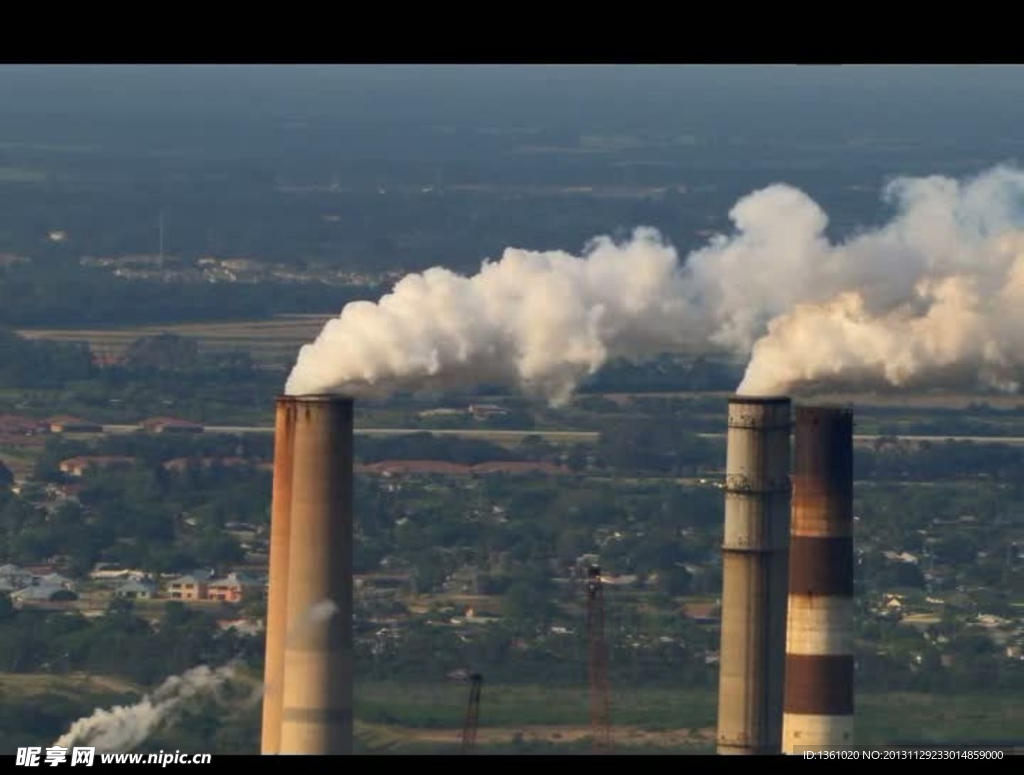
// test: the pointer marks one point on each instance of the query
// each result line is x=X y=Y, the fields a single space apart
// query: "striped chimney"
x=818 y=706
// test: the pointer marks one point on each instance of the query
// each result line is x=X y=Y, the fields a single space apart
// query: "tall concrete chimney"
x=754 y=574
x=316 y=713
x=277 y=596
x=819 y=637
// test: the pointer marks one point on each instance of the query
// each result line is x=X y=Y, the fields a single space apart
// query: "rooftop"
x=68 y=419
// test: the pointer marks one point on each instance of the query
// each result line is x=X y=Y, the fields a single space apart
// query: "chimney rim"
x=737 y=398
x=312 y=398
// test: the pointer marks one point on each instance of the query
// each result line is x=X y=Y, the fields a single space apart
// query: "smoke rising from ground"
x=932 y=296
x=123 y=727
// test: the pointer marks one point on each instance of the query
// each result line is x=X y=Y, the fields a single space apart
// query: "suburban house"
x=170 y=425
x=187 y=587
x=483 y=411
x=76 y=466
x=55 y=580
x=41 y=594
x=233 y=588
x=136 y=590
x=111 y=570
x=69 y=424
x=12 y=577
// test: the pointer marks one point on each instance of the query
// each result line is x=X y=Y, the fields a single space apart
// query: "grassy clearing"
x=440 y=706
x=268 y=341
x=534 y=739
x=886 y=718
x=402 y=717
x=25 y=686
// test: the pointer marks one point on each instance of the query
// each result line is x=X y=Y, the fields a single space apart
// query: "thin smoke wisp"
x=123 y=727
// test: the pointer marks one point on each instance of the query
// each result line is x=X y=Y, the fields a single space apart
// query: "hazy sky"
x=387 y=105
x=261 y=87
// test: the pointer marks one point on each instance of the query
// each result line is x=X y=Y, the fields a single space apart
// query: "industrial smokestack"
x=754 y=559
x=316 y=714
x=819 y=636
x=277 y=596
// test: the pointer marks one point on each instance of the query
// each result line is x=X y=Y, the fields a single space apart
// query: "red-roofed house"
x=76 y=466
x=68 y=424
x=232 y=589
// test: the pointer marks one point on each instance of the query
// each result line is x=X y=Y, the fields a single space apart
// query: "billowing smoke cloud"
x=541 y=321
x=122 y=727
x=932 y=295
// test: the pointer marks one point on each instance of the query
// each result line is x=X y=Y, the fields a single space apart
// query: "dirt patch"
x=622 y=735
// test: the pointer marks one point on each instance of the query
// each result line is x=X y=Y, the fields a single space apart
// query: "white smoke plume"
x=123 y=727
x=317 y=614
x=934 y=295
x=322 y=611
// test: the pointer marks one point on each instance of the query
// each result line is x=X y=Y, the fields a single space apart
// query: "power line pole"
x=472 y=714
x=600 y=715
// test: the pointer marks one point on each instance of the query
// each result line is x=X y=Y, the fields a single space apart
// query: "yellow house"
x=186 y=588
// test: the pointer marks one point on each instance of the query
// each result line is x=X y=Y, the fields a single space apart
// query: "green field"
x=271 y=342
x=23 y=686
x=404 y=718
x=428 y=718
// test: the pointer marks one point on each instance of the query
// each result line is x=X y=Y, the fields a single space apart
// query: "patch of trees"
x=664 y=373
x=655 y=445
x=122 y=643
x=41 y=364
x=145 y=517
x=933 y=461
x=425 y=446
x=152 y=449
x=75 y=297
x=165 y=370
x=523 y=648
